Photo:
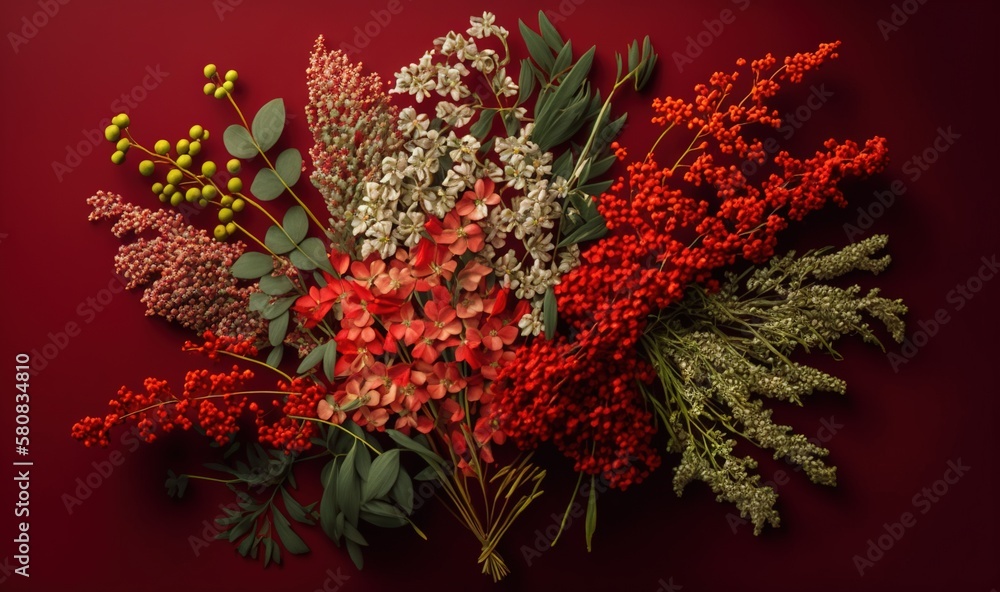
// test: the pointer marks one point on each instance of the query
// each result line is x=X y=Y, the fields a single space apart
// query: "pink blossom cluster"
x=184 y=270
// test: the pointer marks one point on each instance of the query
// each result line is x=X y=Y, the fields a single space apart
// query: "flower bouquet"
x=480 y=285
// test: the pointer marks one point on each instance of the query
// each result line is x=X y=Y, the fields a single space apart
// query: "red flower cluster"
x=422 y=326
x=665 y=237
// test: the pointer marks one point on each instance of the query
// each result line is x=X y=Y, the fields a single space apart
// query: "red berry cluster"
x=286 y=433
x=216 y=400
x=665 y=236
x=592 y=412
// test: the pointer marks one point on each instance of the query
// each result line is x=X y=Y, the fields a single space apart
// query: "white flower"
x=504 y=84
x=409 y=226
x=455 y=115
x=449 y=81
x=411 y=123
x=483 y=26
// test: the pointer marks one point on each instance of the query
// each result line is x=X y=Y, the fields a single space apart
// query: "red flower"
x=316 y=304
x=473 y=203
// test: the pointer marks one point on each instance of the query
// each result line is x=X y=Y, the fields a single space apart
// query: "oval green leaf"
x=268 y=123
x=238 y=142
x=252 y=265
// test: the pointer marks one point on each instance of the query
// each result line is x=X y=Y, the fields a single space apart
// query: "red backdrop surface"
x=921 y=77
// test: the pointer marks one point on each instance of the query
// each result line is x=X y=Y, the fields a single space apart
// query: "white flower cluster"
x=441 y=160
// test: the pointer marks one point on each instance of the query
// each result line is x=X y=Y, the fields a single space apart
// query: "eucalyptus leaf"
x=312 y=358
x=289 y=166
x=296 y=223
x=252 y=265
x=239 y=142
x=329 y=359
x=267 y=185
x=276 y=285
x=277 y=329
x=268 y=124
x=258 y=301
x=278 y=307
x=311 y=254
x=276 y=240
x=274 y=358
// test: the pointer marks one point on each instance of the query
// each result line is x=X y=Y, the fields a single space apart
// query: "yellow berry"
x=239 y=204
x=235 y=185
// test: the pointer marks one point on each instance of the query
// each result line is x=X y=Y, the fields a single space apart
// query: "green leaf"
x=363 y=462
x=277 y=240
x=238 y=142
x=310 y=255
x=382 y=476
x=484 y=124
x=402 y=491
x=292 y=542
x=348 y=487
x=244 y=548
x=276 y=285
x=412 y=445
x=278 y=307
x=296 y=223
x=591 y=519
x=267 y=185
x=511 y=123
x=549 y=313
x=274 y=358
x=525 y=82
x=252 y=265
x=330 y=359
x=258 y=301
x=328 y=506
x=277 y=329
x=593 y=229
x=268 y=124
x=549 y=33
x=381 y=520
x=563 y=59
x=595 y=189
x=313 y=358
x=537 y=48
x=352 y=534
x=289 y=166
x=295 y=509
x=354 y=550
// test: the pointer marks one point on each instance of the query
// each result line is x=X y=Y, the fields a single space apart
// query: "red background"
x=898 y=430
